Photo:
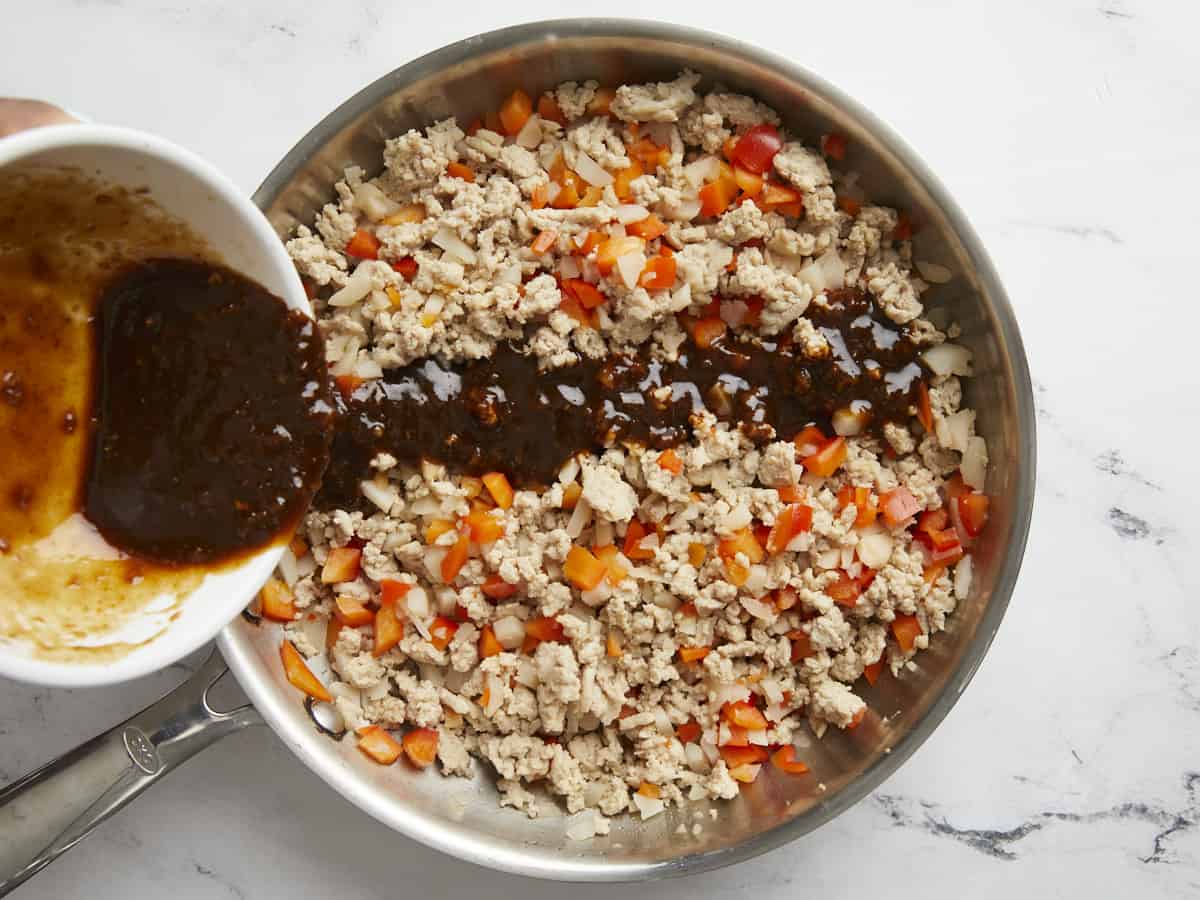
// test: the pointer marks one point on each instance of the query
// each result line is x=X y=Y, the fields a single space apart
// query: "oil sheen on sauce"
x=67 y=591
x=503 y=414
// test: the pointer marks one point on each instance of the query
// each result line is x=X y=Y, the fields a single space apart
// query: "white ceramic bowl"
x=190 y=189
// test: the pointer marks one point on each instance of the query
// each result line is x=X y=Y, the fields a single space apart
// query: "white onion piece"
x=627 y=213
x=368 y=369
x=662 y=721
x=833 y=270
x=447 y=600
x=933 y=273
x=682 y=298
x=584 y=826
x=589 y=170
x=974 y=463
x=630 y=268
x=617 y=230
x=962 y=578
x=854 y=569
x=775 y=712
x=758 y=609
x=649 y=807
x=591 y=271
x=954 y=431
x=530 y=134
x=758 y=737
x=703 y=170
x=454 y=245
x=374 y=203
x=683 y=211
x=425 y=506
x=801 y=542
x=604 y=533
x=849 y=422
x=696 y=759
x=510 y=274
x=708 y=743
x=568 y=267
x=381 y=494
x=552 y=190
x=527 y=672
x=948 y=359
x=289 y=566
x=828 y=559
x=580 y=516
x=569 y=470
x=357 y=287
x=598 y=595
x=730 y=693
x=667 y=600
x=875 y=547
x=416 y=604
x=509 y=631
x=812 y=275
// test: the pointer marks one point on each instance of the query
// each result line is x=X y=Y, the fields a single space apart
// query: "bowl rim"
x=172 y=643
x=236 y=647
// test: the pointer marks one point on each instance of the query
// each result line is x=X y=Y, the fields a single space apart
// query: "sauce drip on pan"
x=212 y=413
x=503 y=414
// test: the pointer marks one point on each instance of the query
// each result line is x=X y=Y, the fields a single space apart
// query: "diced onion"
x=758 y=609
x=368 y=369
x=568 y=471
x=757 y=737
x=589 y=170
x=832 y=269
x=454 y=245
x=662 y=722
x=583 y=826
x=617 y=230
x=568 y=267
x=703 y=170
x=933 y=273
x=580 y=516
x=628 y=213
x=357 y=287
x=730 y=693
x=771 y=690
x=685 y=210
x=630 y=267
x=530 y=134
x=374 y=203
x=509 y=631
x=875 y=547
x=801 y=542
x=382 y=494
x=604 y=533
x=495 y=695
x=849 y=422
x=828 y=559
x=696 y=759
x=289 y=567
x=948 y=359
x=416 y=603
x=954 y=431
x=447 y=599
x=974 y=463
x=962 y=578
x=552 y=190
x=649 y=807
x=682 y=298
x=597 y=595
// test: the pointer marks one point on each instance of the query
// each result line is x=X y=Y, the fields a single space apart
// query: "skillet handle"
x=52 y=809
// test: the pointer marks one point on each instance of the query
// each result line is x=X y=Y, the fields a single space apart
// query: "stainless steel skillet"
x=48 y=811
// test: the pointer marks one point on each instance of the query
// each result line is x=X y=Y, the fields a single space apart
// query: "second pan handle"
x=52 y=809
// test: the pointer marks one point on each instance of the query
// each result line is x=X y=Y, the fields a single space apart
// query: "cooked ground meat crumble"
x=654 y=620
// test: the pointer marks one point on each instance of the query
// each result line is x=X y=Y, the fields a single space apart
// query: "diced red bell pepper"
x=364 y=245
x=755 y=149
x=420 y=746
x=906 y=630
x=828 y=459
x=784 y=759
x=794 y=519
x=845 y=591
x=898 y=506
x=496 y=588
x=300 y=675
x=973 y=512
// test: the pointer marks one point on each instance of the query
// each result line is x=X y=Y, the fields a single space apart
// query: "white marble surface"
x=1068 y=131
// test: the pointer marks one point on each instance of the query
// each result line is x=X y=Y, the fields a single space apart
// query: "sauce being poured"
x=503 y=414
x=212 y=413
x=95 y=396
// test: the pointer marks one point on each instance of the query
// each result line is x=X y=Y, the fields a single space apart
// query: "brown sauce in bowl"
x=212 y=414
x=89 y=416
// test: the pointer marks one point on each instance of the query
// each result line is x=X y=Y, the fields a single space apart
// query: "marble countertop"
x=1067 y=130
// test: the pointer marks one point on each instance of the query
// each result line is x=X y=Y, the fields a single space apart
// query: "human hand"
x=19 y=115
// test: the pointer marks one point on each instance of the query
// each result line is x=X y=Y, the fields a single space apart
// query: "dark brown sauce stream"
x=503 y=414
x=212 y=414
